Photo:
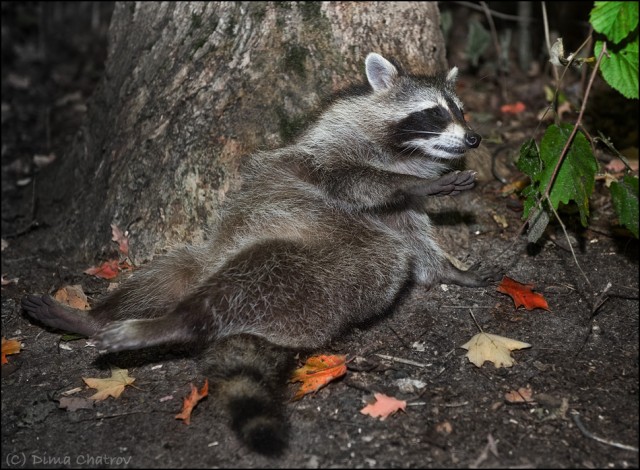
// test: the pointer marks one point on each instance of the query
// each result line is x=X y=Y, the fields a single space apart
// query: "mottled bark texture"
x=191 y=87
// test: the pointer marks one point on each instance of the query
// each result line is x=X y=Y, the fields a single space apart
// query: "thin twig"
x=578 y=123
x=573 y=253
x=404 y=361
x=545 y=196
x=576 y=418
x=497 y=14
x=496 y=45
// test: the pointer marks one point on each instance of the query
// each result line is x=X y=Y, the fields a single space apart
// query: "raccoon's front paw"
x=447 y=185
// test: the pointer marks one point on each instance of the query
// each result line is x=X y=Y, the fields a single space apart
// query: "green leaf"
x=576 y=178
x=625 y=201
x=529 y=161
x=620 y=70
x=530 y=164
x=614 y=19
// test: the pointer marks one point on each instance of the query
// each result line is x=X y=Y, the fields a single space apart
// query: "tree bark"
x=191 y=87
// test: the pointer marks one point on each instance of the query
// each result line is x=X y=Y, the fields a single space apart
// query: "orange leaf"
x=317 y=372
x=73 y=296
x=9 y=346
x=522 y=294
x=120 y=238
x=383 y=407
x=513 y=108
x=107 y=270
x=111 y=387
x=192 y=400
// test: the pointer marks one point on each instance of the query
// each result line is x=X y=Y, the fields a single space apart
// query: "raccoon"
x=325 y=233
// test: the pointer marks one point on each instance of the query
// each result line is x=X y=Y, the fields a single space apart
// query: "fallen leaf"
x=73 y=296
x=109 y=269
x=522 y=395
x=383 y=407
x=317 y=372
x=513 y=108
x=444 y=427
x=192 y=400
x=522 y=294
x=111 y=387
x=75 y=403
x=9 y=346
x=6 y=282
x=119 y=237
x=488 y=347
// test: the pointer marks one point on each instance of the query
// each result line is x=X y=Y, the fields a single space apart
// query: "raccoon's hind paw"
x=51 y=313
x=478 y=275
x=486 y=272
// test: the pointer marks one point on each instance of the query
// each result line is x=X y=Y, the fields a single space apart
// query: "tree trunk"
x=191 y=87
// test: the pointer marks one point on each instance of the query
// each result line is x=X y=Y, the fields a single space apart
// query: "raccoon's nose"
x=472 y=139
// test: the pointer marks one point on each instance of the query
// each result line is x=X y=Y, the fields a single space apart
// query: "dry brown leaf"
x=522 y=395
x=497 y=349
x=73 y=296
x=383 y=407
x=111 y=387
x=6 y=282
x=191 y=401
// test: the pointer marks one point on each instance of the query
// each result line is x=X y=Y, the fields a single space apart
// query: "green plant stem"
x=565 y=150
x=545 y=196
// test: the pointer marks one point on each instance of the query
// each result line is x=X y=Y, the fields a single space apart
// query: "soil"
x=582 y=367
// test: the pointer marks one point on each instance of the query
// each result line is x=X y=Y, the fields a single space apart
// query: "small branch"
x=578 y=123
x=576 y=418
x=573 y=253
x=404 y=361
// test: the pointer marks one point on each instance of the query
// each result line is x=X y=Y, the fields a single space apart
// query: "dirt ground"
x=582 y=367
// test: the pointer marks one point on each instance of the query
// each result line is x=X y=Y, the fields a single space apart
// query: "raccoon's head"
x=422 y=115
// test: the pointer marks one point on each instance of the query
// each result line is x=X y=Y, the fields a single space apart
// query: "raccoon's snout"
x=472 y=140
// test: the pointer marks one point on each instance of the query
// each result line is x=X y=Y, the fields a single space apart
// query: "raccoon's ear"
x=380 y=72
x=452 y=76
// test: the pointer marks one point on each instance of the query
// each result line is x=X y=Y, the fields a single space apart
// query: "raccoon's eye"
x=437 y=112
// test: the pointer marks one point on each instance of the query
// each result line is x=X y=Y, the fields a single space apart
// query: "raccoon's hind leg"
x=249 y=377
x=280 y=290
x=56 y=315
x=149 y=293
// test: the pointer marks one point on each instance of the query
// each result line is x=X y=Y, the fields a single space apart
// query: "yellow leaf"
x=383 y=407
x=497 y=349
x=111 y=387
